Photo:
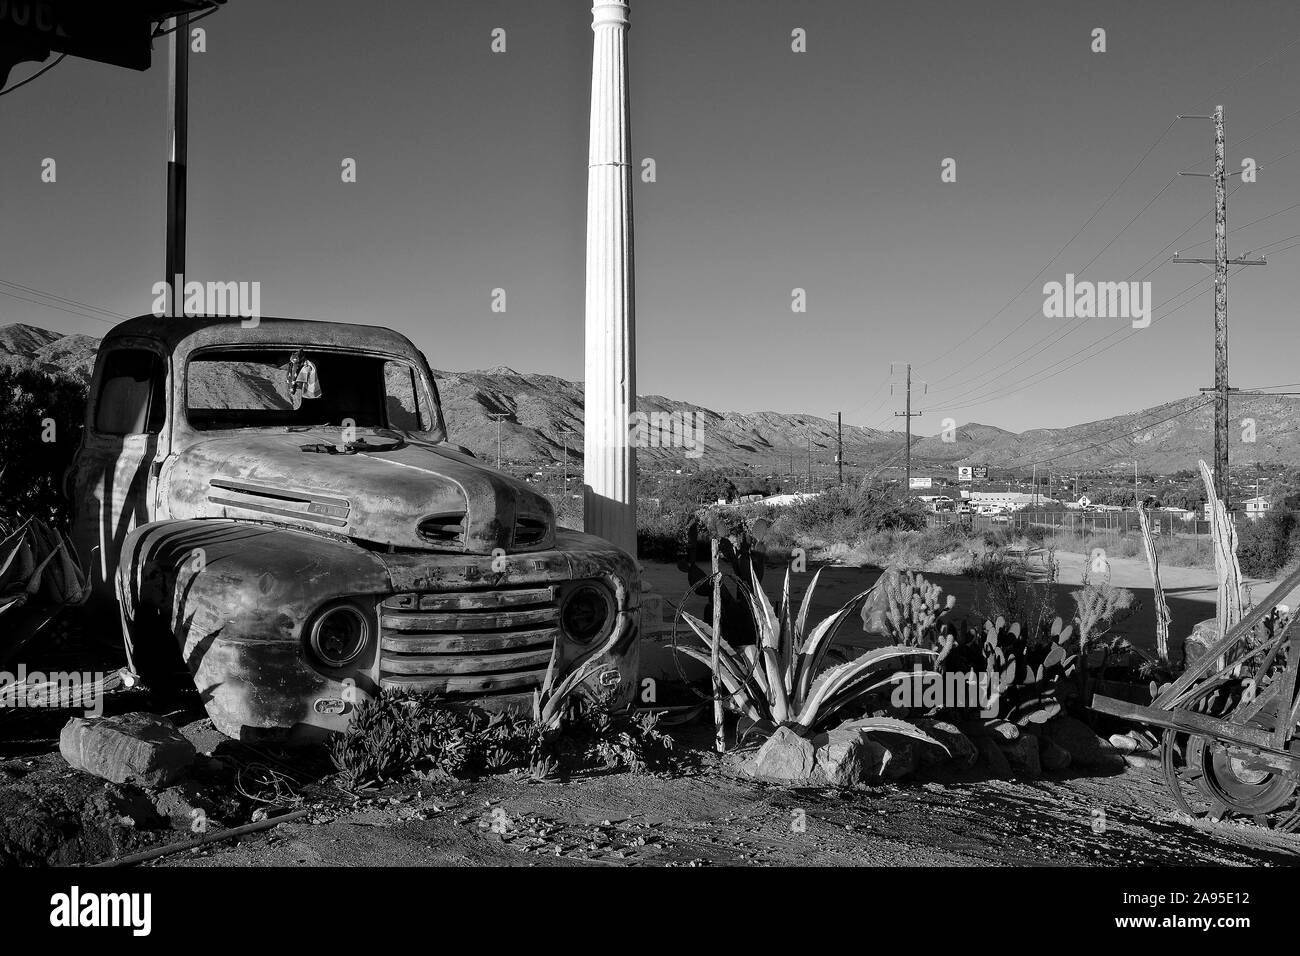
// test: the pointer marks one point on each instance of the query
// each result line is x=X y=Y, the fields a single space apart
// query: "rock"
x=1052 y=755
x=1022 y=755
x=1142 y=761
x=1004 y=730
x=899 y=759
x=131 y=807
x=1086 y=749
x=141 y=748
x=784 y=758
x=846 y=758
x=994 y=760
x=186 y=807
x=1123 y=743
x=961 y=752
x=1204 y=634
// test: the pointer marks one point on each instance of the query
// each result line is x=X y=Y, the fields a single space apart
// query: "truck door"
x=111 y=475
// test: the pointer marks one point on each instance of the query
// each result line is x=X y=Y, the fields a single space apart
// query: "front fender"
x=236 y=598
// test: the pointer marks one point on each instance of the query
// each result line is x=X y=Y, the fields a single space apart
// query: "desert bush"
x=399 y=734
x=40 y=420
x=844 y=514
x=1266 y=545
x=660 y=536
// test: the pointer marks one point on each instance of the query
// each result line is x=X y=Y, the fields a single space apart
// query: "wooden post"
x=719 y=732
x=1162 y=608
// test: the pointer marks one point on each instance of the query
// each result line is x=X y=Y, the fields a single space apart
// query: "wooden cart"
x=1229 y=744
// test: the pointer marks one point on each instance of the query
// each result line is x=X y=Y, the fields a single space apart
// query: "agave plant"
x=550 y=701
x=777 y=680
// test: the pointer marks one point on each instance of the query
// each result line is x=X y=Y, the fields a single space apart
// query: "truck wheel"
x=157 y=657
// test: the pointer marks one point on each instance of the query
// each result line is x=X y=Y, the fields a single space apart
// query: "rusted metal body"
x=1229 y=721
x=232 y=534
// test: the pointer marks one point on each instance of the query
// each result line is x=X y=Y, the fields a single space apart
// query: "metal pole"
x=810 y=461
x=839 y=433
x=908 y=421
x=178 y=94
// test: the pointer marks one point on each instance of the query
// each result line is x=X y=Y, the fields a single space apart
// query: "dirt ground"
x=714 y=818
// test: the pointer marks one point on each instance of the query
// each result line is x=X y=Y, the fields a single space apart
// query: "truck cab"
x=276 y=506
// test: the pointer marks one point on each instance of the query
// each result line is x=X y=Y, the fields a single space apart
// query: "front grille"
x=473 y=645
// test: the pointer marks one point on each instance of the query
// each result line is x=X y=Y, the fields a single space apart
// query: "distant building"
x=1015 y=500
x=1254 y=507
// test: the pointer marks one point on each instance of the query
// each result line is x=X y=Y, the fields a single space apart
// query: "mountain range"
x=543 y=412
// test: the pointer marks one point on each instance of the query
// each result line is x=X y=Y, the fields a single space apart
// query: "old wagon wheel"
x=1206 y=781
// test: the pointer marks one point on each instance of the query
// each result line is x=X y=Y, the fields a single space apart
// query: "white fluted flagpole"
x=609 y=460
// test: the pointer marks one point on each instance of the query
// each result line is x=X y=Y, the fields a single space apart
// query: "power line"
x=1059 y=252
x=64 y=299
x=1037 y=376
x=1107 y=441
x=1037 y=312
x=192 y=20
x=41 y=72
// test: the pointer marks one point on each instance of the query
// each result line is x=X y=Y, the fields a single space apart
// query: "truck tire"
x=156 y=657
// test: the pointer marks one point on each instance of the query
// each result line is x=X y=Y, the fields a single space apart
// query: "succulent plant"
x=1029 y=674
x=914 y=609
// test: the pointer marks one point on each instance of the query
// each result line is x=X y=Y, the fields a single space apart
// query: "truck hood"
x=404 y=493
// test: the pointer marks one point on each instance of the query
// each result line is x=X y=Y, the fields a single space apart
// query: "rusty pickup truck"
x=279 y=515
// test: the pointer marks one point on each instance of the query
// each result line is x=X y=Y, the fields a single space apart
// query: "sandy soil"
x=715 y=818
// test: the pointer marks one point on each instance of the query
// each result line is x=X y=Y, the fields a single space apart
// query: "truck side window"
x=402 y=395
x=131 y=394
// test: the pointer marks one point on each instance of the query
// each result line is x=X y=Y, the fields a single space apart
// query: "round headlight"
x=339 y=635
x=585 y=613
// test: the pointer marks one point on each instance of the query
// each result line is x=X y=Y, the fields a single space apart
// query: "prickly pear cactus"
x=1024 y=678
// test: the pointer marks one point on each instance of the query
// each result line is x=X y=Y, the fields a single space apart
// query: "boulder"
x=1052 y=755
x=961 y=752
x=993 y=759
x=141 y=748
x=1003 y=730
x=900 y=756
x=846 y=758
x=1022 y=755
x=785 y=757
x=1086 y=749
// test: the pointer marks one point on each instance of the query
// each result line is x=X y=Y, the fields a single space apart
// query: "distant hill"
x=539 y=408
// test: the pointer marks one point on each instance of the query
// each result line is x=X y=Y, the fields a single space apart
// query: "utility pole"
x=178 y=113
x=839 y=440
x=1136 y=502
x=1220 y=263
x=497 y=416
x=810 y=461
x=564 y=435
x=907 y=415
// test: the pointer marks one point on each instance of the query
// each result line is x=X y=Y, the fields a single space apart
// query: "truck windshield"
x=243 y=388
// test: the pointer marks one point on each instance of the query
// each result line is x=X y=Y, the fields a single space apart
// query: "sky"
x=776 y=170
